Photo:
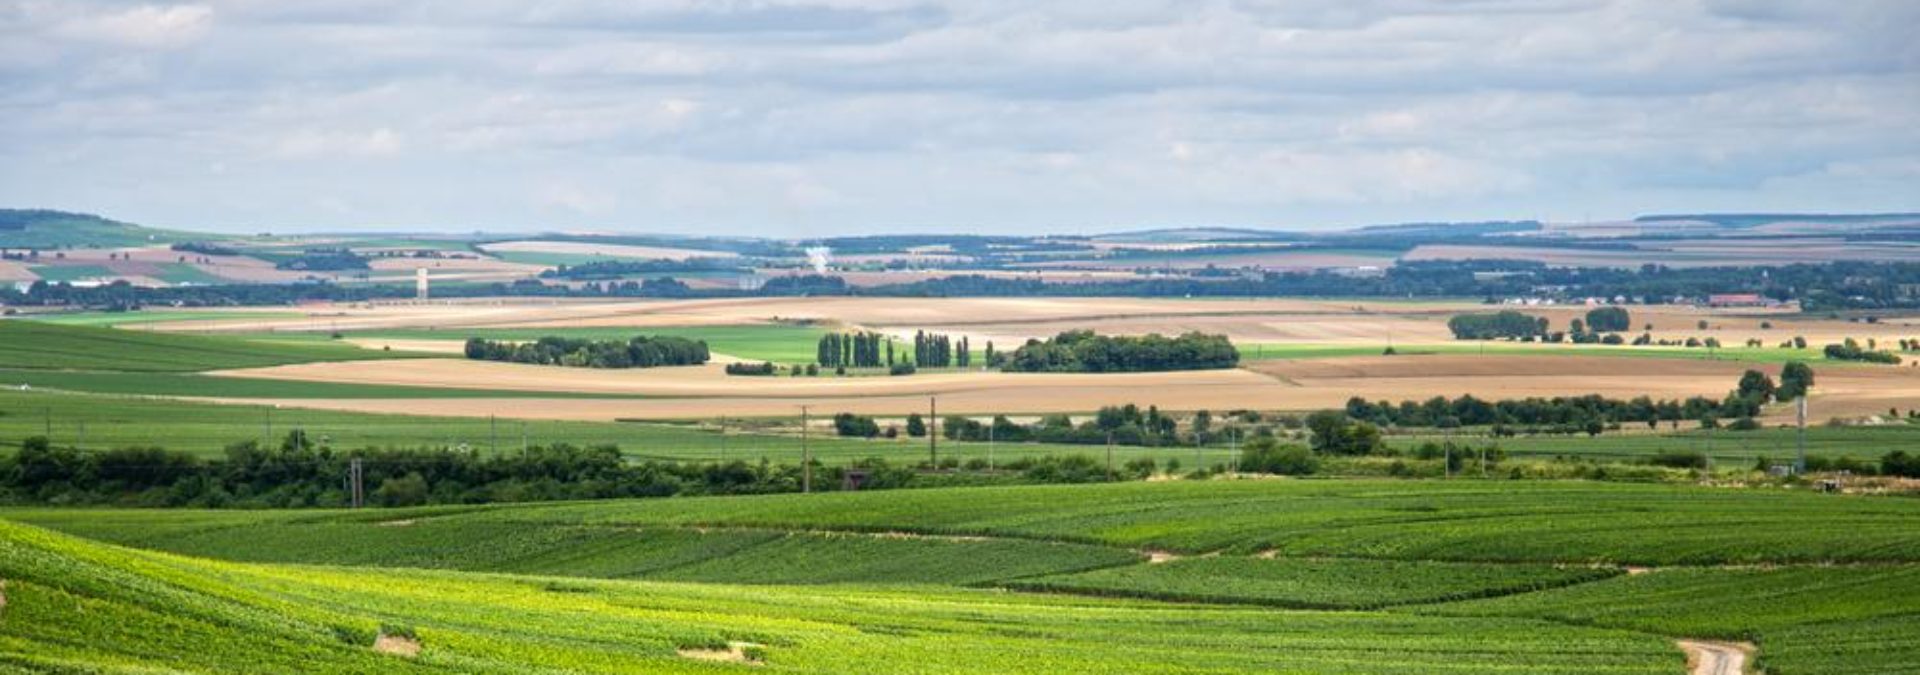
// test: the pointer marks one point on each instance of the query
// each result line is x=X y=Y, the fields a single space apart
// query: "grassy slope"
x=38 y=345
x=79 y=605
x=72 y=230
x=1807 y=618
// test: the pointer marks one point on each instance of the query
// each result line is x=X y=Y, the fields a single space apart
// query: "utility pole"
x=1234 y=436
x=806 y=455
x=1800 y=456
x=1109 y=456
x=524 y=447
x=356 y=478
x=990 y=426
x=269 y=441
x=493 y=431
x=723 y=439
x=933 y=431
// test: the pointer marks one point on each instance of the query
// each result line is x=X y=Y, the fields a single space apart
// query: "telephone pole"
x=806 y=455
x=1109 y=456
x=933 y=431
x=356 y=478
x=1800 y=456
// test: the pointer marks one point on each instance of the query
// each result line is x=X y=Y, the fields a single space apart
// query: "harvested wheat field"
x=705 y=391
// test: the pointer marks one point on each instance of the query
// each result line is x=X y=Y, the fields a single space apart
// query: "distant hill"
x=1187 y=235
x=45 y=229
x=1749 y=220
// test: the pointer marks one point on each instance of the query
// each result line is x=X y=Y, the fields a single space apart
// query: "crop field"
x=35 y=345
x=840 y=581
x=1322 y=583
x=109 y=319
x=74 y=604
x=770 y=342
x=100 y=422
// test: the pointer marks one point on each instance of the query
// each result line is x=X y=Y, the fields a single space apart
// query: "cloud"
x=144 y=26
x=788 y=116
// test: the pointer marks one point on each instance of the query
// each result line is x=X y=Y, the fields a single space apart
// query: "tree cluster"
x=640 y=352
x=324 y=260
x=934 y=350
x=1506 y=324
x=854 y=350
x=1084 y=352
x=1852 y=351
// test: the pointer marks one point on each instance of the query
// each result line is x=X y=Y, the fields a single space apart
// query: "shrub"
x=1264 y=455
x=1679 y=459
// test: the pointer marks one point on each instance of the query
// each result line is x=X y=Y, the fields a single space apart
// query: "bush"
x=752 y=369
x=849 y=424
x=903 y=368
x=1899 y=463
x=1264 y=455
x=1744 y=424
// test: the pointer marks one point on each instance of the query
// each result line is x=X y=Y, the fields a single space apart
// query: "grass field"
x=45 y=346
x=1349 y=576
x=57 y=273
x=776 y=343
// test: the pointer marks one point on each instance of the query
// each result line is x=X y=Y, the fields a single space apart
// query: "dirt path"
x=1715 y=658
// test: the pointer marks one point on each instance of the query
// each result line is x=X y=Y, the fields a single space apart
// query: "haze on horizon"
x=791 y=118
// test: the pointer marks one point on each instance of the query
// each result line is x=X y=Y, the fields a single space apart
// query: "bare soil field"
x=1009 y=321
x=609 y=250
x=705 y=391
x=1701 y=253
x=11 y=271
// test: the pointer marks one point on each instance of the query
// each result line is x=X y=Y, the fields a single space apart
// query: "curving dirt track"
x=1715 y=658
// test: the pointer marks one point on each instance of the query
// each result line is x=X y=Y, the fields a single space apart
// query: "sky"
x=815 y=117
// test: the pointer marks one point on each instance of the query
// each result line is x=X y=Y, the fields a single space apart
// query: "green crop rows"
x=1321 y=583
x=74 y=605
x=40 y=345
x=837 y=583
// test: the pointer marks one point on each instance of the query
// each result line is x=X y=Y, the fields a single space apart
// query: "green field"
x=57 y=273
x=1352 y=577
x=1724 y=448
x=183 y=273
x=45 y=346
x=101 y=421
x=776 y=343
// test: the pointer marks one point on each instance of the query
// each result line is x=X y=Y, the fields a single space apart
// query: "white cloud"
x=145 y=26
x=781 y=116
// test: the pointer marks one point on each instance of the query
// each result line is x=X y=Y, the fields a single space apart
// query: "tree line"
x=643 y=351
x=1588 y=413
x=301 y=474
x=1818 y=287
x=1082 y=351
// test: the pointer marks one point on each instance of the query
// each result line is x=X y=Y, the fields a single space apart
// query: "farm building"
x=1739 y=300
